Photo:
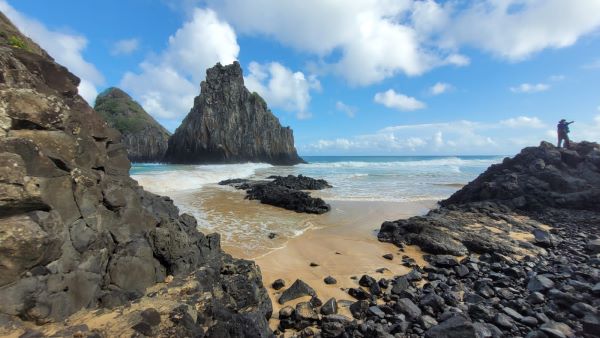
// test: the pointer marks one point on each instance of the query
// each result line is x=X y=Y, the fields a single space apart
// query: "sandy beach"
x=343 y=242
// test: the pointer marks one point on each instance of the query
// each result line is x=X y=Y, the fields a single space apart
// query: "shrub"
x=16 y=42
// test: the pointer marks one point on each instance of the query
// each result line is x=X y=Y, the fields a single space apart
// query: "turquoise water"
x=384 y=178
x=246 y=225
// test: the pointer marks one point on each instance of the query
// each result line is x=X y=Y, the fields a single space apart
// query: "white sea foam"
x=435 y=162
x=192 y=177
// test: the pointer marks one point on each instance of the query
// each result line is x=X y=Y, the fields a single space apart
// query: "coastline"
x=344 y=250
x=343 y=242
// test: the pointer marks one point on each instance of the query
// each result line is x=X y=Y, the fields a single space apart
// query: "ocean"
x=357 y=181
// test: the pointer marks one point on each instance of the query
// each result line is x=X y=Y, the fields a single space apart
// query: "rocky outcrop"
x=284 y=192
x=228 y=124
x=144 y=138
x=539 y=177
x=76 y=231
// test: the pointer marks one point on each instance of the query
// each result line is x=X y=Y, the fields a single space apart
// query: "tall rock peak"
x=228 y=124
x=144 y=138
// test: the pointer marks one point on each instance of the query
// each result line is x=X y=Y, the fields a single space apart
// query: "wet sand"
x=343 y=242
x=349 y=249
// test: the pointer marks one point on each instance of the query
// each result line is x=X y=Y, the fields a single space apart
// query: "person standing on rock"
x=563 y=132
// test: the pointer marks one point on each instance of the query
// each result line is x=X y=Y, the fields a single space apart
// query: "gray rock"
x=330 y=280
x=593 y=246
x=512 y=313
x=540 y=283
x=225 y=123
x=408 y=308
x=359 y=309
x=151 y=316
x=278 y=284
x=557 y=330
x=543 y=238
x=296 y=290
x=376 y=311
x=536 y=298
x=305 y=311
x=330 y=307
x=427 y=322
x=591 y=324
x=286 y=312
x=503 y=321
x=456 y=326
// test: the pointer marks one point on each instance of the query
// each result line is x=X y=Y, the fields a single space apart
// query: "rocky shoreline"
x=500 y=264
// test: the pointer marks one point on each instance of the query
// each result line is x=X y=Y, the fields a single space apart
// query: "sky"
x=366 y=77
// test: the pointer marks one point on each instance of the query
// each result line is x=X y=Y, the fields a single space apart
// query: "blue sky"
x=371 y=77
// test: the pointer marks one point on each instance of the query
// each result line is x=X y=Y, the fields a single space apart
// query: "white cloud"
x=167 y=83
x=557 y=78
x=125 y=46
x=346 y=109
x=281 y=87
x=447 y=138
x=523 y=122
x=370 y=40
x=529 y=88
x=66 y=49
x=516 y=29
x=440 y=88
x=399 y=101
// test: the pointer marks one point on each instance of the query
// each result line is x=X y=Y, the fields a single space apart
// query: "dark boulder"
x=300 y=182
x=296 y=290
x=456 y=326
x=286 y=198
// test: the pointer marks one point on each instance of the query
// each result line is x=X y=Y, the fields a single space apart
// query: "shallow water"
x=245 y=225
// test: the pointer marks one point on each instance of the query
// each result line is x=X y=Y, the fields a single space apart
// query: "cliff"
x=77 y=232
x=144 y=138
x=228 y=124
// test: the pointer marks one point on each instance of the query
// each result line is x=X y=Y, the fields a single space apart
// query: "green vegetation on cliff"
x=145 y=139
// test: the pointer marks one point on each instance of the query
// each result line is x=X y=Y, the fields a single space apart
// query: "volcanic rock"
x=228 y=124
x=296 y=290
x=77 y=231
x=543 y=176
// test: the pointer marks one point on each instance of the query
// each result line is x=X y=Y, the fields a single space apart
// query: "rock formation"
x=77 y=232
x=284 y=192
x=144 y=138
x=539 y=177
x=228 y=124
